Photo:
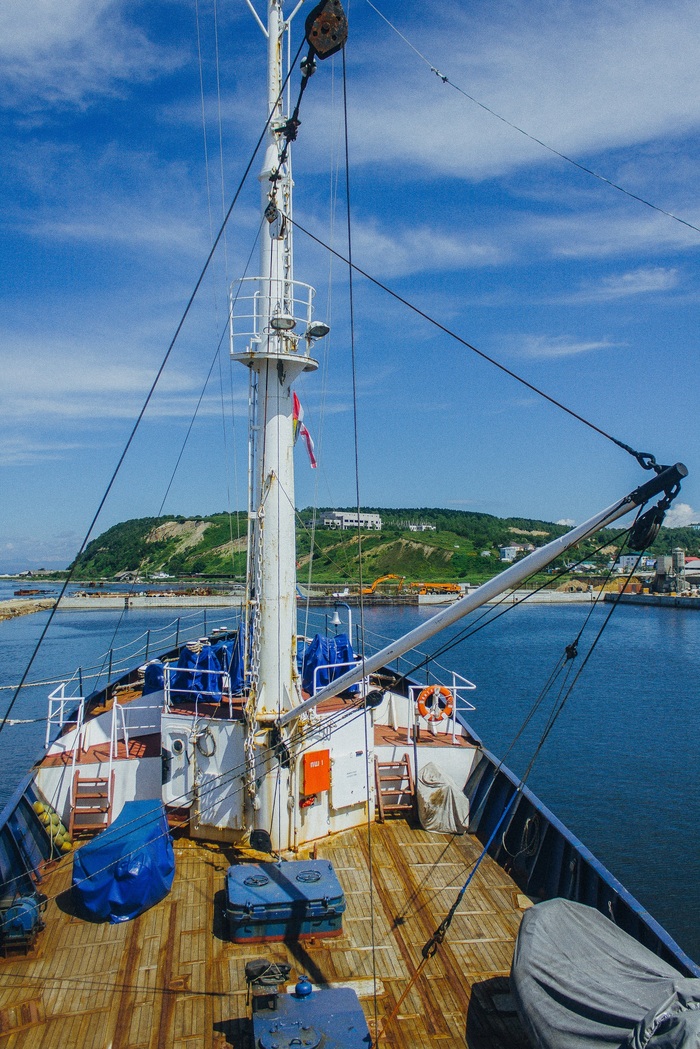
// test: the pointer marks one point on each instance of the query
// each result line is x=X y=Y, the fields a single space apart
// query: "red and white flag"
x=300 y=429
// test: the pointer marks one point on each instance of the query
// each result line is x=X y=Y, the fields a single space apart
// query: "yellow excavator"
x=382 y=579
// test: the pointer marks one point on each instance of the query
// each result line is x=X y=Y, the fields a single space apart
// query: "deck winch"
x=21 y=920
x=305 y=1018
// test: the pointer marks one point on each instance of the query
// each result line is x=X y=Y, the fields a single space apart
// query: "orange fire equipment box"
x=317 y=771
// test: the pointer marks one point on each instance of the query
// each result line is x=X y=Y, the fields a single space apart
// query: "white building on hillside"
x=341 y=519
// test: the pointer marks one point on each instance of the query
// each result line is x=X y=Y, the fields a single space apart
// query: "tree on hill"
x=122 y=548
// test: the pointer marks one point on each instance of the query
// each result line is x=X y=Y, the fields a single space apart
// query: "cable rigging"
x=563 y=665
x=645 y=459
x=533 y=138
x=149 y=396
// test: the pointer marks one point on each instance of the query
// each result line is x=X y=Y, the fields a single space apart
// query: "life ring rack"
x=433 y=709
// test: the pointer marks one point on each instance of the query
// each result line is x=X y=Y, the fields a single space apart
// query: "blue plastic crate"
x=283 y=901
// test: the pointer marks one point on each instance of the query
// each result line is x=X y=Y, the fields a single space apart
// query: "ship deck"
x=171 y=978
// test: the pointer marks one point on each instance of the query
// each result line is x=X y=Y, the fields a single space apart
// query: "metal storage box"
x=283 y=901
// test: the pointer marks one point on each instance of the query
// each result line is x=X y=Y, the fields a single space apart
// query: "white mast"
x=277 y=350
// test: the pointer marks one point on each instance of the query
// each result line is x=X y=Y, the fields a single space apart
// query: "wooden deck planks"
x=169 y=978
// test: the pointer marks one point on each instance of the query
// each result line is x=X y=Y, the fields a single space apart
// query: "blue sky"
x=107 y=214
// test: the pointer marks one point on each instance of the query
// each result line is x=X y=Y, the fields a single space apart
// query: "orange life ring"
x=438 y=709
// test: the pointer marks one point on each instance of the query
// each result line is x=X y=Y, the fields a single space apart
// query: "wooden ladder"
x=91 y=807
x=396 y=792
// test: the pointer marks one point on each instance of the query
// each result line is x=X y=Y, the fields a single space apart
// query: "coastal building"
x=422 y=528
x=514 y=550
x=632 y=562
x=342 y=520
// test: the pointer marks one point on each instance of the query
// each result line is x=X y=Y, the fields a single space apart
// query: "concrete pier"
x=102 y=602
x=657 y=600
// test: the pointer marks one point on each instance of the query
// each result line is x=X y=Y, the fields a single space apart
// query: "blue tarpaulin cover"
x=191 y=682
x=153 y=677
x=330 y=653
x=230 y=655
x=128 y=867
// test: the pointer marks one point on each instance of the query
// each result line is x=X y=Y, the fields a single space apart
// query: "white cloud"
x=398 y=252
x=680 y=515
x=89 y=384
x=65 y=51
x=582 y=78
x=18 y=450
x=646 y=280
x=135 y=227
x=600 y=234
x=124 y=197
x=567 y=522
x=554 y=347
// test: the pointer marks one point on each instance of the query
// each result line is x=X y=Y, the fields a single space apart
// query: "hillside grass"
x=452 y=553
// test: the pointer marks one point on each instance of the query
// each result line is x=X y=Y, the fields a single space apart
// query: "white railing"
x=458 y=686
x=117 y=713
x=290 y=301
x=214 y=695
x=338 y=666
x=57 y=717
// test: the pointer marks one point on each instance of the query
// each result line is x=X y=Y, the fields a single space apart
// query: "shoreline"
x=14 y=607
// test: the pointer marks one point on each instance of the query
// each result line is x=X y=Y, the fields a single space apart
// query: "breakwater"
x=102 y=602
x=656 y=600
x=541 y=597
x=23 y=607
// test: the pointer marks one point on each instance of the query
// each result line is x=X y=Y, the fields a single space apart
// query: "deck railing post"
x=177 y=633
x=148 y=642
x=109 y=669
x=80 y=680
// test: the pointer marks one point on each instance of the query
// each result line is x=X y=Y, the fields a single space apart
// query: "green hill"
x=463 y=546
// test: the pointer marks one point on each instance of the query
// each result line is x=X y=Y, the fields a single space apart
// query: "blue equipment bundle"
x=325 y=659
x=283 y=901
x=127 y=868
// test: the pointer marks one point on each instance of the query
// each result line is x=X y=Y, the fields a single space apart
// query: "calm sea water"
x=619 y=768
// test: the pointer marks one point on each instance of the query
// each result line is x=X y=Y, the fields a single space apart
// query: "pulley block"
x=326 y=28
x=646 y=528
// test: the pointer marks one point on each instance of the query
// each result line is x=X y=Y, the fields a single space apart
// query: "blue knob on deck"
x=303 y=988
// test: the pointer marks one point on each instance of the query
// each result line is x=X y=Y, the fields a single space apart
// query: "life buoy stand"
x=433 y=709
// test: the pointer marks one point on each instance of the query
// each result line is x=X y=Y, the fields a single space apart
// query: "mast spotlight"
x=282 y=322
x=317 y=330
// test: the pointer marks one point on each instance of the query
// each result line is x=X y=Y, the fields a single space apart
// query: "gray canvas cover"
x=442 y=807
x=579 y=982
